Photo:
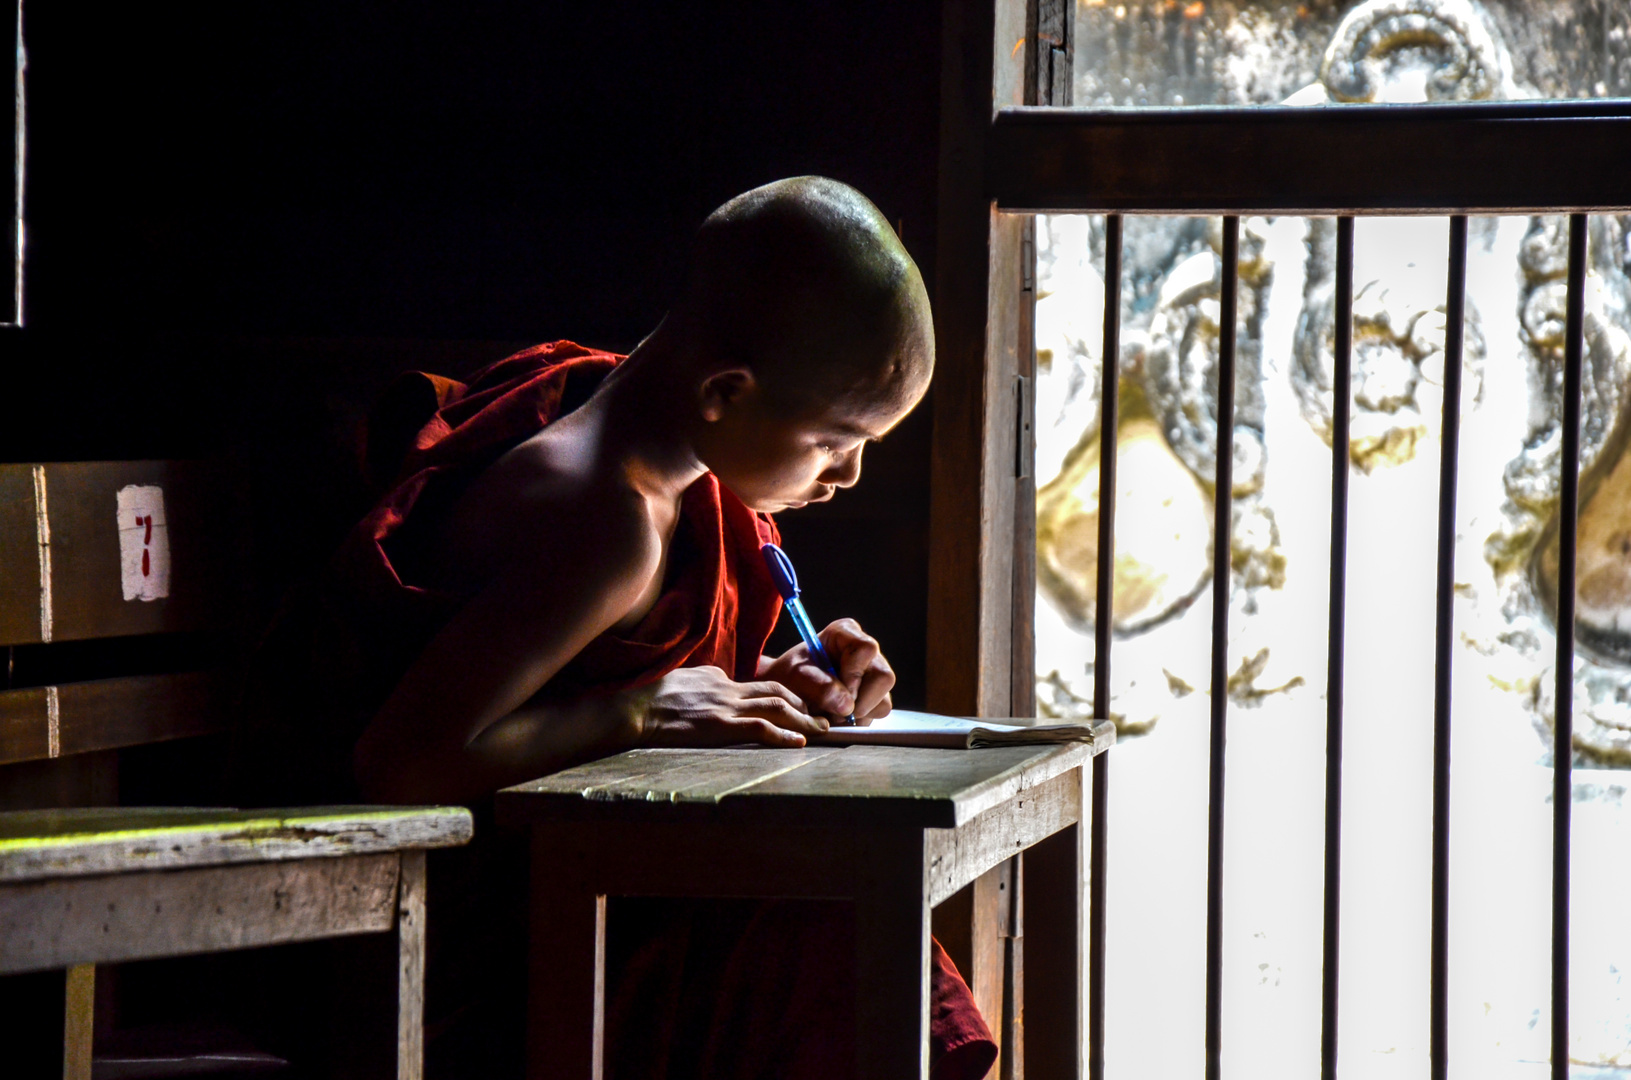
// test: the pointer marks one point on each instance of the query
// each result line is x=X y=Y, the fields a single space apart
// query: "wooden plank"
x=1492 y=158
x=955 y=857
x=1055 y=976
x=689 y=858
x=671 y=775
x=976 y=321
x=1011 y=1059
x=566 y=994
x=849 y=785
x=25 y=725
x=410 y=946
x=87 y=595
x=892 y=785
x=990 y=922
x=118 y=917
x=892 y=958
x=19 y=558
x=40 y=844
x=103 y=714
x=79 y=1022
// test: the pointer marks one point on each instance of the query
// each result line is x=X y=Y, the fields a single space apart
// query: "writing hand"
x=702 y=706
x=864 y=676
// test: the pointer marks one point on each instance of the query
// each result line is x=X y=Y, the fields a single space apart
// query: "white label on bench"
x=144 y=543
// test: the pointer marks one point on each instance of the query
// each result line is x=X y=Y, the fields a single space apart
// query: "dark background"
x=244 y=219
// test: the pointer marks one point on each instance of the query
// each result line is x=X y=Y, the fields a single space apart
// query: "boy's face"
x=774 y=458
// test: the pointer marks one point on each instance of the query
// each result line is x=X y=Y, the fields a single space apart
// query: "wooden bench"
x=100 y=885
x=119 y=584
x=894 y=830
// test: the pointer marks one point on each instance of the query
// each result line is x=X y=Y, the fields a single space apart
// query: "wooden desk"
x=89 y=886
x=896 y=830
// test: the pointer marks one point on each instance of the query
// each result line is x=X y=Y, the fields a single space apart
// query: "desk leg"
x=1055 y=966
x=77 y=1022
x=892 y=960
x=410 y=951
x=566 y=983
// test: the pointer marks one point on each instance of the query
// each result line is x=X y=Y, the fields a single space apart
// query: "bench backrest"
x=126 y=559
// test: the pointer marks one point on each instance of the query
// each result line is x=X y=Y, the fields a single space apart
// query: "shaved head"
x=804 y=282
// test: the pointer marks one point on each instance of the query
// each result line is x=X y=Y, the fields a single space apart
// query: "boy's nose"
x=844 y=472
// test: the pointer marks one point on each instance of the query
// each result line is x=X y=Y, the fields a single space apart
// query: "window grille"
x=1005 y=154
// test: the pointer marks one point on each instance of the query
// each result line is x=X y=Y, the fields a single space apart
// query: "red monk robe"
x=707 y=989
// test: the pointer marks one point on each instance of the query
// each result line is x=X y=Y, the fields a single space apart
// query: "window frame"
x=1006 y=155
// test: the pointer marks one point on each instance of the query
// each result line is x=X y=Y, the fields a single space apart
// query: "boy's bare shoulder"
x=545 y=506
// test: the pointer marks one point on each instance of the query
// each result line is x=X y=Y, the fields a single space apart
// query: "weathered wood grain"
x=955 y=857
x=682 y=858
x=118 y=917
x=1055 y=967
x=892 y=958
x=25 y=726
x=104 y=714
x=19 y=557
x=899 y=785
x=43 y=844
x=971 y=485
x=87 y=597
x=410 y=939
x=990 y=920
x=79 y=1022
x=1285 y=160
x=673 y=776
x=860 y=785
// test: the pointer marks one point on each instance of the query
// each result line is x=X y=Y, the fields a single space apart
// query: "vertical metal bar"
x=1222 y=536
x=1341 y=393
x=1455 y=320
x=1102 y=618
x=1563 y=720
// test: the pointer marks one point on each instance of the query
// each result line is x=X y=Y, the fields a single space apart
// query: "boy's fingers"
x=852 y=649
x=827 y=691
x=876 y=683
x=783 y=715
x=762 y=731
x=771 y=688
x=882 y=709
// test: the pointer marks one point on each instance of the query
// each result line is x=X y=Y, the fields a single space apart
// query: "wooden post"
x=892 y=959
x=566 y=995
x=1055 y=968
x=977 y=313
x=77 y=1022
x=410 y=937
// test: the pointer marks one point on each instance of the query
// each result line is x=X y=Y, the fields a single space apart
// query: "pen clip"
x=781 y=571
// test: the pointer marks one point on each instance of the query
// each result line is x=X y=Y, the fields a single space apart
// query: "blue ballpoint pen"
x=787 y=583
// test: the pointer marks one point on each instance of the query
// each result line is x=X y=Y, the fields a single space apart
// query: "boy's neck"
x=643 y=432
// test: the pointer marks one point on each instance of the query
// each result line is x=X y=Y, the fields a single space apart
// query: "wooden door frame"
x=982 y=516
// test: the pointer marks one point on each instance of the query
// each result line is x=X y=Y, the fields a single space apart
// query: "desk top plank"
x=672 y=776
x=876 y=784
x=937 y=788
x=39 y=844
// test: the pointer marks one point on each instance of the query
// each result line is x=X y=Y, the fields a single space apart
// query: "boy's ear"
x=723 y=389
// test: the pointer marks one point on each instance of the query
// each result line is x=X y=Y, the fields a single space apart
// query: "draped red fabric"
x=696 y=989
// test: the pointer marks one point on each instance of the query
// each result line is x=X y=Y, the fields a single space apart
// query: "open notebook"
x=905 y=728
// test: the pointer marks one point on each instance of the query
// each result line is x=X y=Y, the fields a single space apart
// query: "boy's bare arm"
x=464 y=721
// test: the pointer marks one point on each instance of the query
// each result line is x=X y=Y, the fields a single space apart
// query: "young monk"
x=568 y=566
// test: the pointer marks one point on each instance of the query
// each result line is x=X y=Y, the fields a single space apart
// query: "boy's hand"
x=702 y=706
x=864 y=676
